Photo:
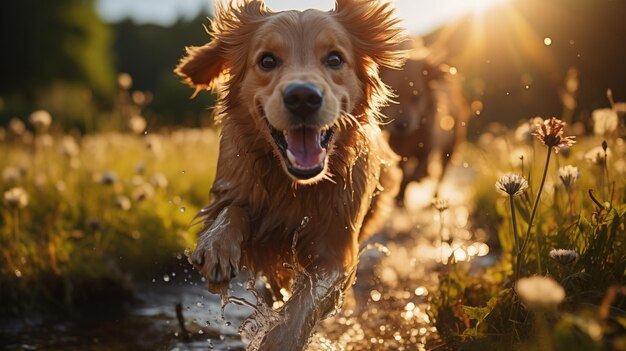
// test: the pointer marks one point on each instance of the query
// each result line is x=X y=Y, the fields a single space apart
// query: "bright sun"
x=480 y=6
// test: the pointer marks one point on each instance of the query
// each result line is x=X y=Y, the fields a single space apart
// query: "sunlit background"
x=420 y=16
x=105 y=160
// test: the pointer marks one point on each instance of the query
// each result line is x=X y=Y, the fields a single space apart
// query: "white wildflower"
x=16 y=198
x=512 y=184
x=597 y=155
x=540 y=293
x=604 y=121
x=123 y=203
x=40 y=119
x=564 y=257
x=137 y=124
x=569 y=175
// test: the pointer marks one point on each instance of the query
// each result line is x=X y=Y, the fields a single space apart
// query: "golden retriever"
x=428 y=119
x=299 y=95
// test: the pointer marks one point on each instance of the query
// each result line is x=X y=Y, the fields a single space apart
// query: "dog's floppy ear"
x=205 y=67
x=375 y=30
x=378 y=41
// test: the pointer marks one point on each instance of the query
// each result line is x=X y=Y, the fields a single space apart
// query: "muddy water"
x=388 y=308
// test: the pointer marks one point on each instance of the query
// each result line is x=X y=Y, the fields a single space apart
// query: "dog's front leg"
x=218 y=251
x=318 y=294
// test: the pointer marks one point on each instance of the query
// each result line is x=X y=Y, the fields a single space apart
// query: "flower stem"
x=516 y=238
x=532 y=215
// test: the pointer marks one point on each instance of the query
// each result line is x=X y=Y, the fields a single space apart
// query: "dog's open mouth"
x=304 y=149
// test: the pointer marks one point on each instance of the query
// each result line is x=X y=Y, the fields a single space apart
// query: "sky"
x=419 y=16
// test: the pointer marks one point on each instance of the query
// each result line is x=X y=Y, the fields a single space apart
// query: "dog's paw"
x=217 y=256
x=218 y=252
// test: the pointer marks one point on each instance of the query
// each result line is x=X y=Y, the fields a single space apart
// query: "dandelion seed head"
x=605 y=121
x=550 y=133
x=143 y=192
x=137 y=124
x=523 y=133
x=597 y=156
x=564 y=257
x=512 y=184
x=16 y=126
x=69 y=147
x=16 y=198
x=40 y=119
x=123 y=203
x=569 y=175
x=540 y=293
x=159 y=180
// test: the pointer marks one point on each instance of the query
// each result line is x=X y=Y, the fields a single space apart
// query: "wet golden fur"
x=256 y=205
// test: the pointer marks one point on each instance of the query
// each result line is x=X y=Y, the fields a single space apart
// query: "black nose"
x=302 y=99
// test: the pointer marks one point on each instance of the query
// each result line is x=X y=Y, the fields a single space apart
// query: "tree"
x=53 y=40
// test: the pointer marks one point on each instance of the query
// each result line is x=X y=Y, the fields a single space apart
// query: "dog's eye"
x=268 y=62
x=334 y=60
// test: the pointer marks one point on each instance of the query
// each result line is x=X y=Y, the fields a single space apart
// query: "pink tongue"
x=304 y=144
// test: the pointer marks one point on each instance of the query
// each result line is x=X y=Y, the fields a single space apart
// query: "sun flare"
x=480 y=6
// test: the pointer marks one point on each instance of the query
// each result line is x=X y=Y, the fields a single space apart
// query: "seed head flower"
x=604 y=121
x=597 y=155
x=540 y=293
x=523 y=133
x=143 y=192
x=16 y=126
x=16 y=198
x=40 y=119
x=123 y=203
x=69 y=147
x=108 y=178
x=11 y=175
x=137 y=124
x=159 y=180
x=569 y=175
x=440 y=204
x=550 y=133
x=564 y=257
x=512 y=184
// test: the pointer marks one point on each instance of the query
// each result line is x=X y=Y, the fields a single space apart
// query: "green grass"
x=103 y=211
x=482 y=310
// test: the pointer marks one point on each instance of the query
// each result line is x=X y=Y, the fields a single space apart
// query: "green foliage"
x=485 y=309
x=54 y=40
x=110 y=207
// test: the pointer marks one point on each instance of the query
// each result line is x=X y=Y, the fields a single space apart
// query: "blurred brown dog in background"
x=429 y=117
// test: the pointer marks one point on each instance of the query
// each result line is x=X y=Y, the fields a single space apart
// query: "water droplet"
x=145 y=132
x=547 y=41
x=166 y=278
x=182 y=210
x=183 y=172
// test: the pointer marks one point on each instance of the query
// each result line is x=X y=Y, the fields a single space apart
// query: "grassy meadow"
x=86 y=216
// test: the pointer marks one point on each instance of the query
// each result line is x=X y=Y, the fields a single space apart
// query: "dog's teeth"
x=291 y=158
